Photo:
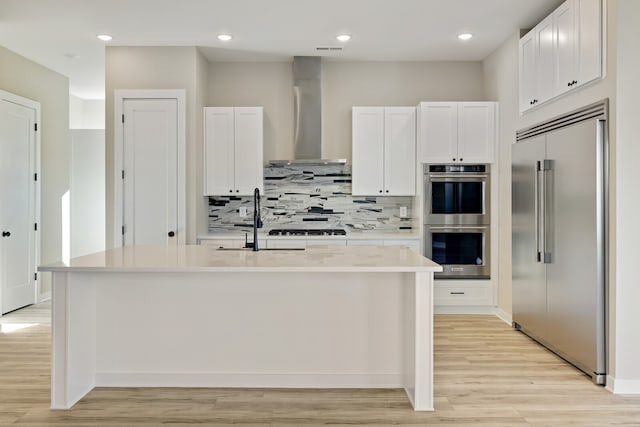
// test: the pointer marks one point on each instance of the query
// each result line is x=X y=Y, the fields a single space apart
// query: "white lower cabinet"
x=447 y=292
x=324 y=242
x=365 y=242
x=413 y=244
x=286 y=243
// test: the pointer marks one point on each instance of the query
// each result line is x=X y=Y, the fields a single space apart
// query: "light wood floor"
x=486 y=374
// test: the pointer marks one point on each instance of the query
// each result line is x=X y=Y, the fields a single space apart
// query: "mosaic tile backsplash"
x=311 y=197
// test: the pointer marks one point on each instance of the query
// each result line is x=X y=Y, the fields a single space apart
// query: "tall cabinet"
x=384 y=151
x=233 y=139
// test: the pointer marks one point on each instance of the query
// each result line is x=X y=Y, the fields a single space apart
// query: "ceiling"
x=61 y=34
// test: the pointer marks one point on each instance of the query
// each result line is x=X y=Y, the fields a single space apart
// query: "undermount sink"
x=265 y=249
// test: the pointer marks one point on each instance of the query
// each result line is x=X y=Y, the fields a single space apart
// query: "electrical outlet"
x=403 y=211
x=243 y=211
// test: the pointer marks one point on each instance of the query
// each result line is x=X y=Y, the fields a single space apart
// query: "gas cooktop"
x=307 y=232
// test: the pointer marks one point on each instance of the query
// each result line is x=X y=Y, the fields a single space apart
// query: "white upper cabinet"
x=528 y=75
x=456 y=132
x=562 y=53
x=233 y=139
x=383 y=151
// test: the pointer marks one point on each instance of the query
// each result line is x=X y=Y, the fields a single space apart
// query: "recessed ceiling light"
x=465 y=36
x=225 y=37
x=344 y=37
x=104 y=37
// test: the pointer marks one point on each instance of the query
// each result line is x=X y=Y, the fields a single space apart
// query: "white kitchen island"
x=196 y=316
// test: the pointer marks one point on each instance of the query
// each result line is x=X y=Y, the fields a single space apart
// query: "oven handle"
x=457 y=227
x=444 y=176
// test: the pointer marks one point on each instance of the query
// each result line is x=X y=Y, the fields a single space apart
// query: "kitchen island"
x=197 y=316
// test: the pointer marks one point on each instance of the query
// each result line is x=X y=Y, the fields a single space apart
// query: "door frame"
x=35 y=105
x=120 y=95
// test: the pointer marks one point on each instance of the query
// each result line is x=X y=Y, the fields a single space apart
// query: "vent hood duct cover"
x=307 y=118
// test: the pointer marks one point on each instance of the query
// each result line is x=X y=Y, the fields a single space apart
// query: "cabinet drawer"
x=468 y=294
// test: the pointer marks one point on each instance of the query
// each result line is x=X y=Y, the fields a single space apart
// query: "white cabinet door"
x=248 y=160
x=219 y=137
x=545 y=60
x=399 y=151
x=413 y=244
x=476 y=132
x=368 y=151
x=438 y=132
x=326 y=242
x=233 y=150
x=565 y=47
x=589 y=44
x=527 y=59
x=286 y=243
x=365 y=242
x=457 y=132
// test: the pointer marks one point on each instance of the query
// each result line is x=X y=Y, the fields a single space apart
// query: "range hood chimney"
x=307 y=119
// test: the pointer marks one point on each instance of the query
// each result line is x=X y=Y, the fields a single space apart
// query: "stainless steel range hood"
x=307 y=97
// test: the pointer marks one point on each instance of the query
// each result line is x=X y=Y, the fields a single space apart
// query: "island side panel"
x=251 y=329
x=73 y=337
x=423 y=398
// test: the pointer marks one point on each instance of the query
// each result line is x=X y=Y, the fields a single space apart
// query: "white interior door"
x=150 y=159
x=17 y=205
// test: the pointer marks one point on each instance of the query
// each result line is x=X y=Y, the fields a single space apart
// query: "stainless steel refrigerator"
x=559 y=184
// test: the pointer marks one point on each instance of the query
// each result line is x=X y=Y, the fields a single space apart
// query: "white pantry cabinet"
x=383 y=151
x=561 y=53
x=233 y=139
x=456 y=132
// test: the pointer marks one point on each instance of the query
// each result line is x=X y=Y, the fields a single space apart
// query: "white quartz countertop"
x=196 y=258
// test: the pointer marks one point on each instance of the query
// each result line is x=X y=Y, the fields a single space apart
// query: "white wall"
x=87 y=191
x=626 y=296
x=23 y=77
x=86 y=113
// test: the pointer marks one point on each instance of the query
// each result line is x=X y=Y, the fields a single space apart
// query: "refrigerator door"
x=529 y=279
x=575 y=241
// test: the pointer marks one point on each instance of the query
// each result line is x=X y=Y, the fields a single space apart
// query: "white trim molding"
x=618 y=386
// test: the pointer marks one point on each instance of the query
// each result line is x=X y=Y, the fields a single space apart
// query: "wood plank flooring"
x=486 y=374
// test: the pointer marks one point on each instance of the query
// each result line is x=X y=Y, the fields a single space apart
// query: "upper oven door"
x=461 y=200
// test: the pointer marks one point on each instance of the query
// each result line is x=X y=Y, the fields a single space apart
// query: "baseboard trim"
x=258 y=380
x=617 y=386
x=43 y=297
x=506 y=317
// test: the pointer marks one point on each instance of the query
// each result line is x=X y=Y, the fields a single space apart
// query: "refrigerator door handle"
x=546 y=214
x=538 y=226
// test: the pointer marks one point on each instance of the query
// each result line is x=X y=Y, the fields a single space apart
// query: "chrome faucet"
x=257 y=220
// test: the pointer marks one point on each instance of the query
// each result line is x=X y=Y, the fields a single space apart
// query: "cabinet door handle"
x=461 y=159
x=237 y=191
x=380 y=191
x=6 y=233
x=230 y=191
x=456 y=293
x=171 y=233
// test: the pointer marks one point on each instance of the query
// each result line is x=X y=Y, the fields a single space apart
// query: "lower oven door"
x=462 y=251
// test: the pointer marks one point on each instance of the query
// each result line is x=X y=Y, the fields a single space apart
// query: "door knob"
x=171 y=234
x=6 y=233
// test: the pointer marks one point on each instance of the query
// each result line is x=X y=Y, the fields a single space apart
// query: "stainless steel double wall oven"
x=457 y=216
